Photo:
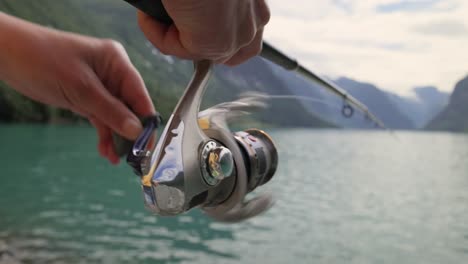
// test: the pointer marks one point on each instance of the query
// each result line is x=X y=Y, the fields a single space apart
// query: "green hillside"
x=164 y=76
x=105 y=19
x=453 y=117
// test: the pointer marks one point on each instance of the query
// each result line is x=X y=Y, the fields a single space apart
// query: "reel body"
x=198 y=162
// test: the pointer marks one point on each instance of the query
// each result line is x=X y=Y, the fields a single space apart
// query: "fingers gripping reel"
x=198 y=162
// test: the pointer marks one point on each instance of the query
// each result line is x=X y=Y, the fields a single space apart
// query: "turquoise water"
x=342 y=197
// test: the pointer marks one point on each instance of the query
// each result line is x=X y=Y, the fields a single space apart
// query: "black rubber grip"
x=154 y=8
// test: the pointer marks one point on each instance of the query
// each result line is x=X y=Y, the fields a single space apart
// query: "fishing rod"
x=197 y=161
x=277 y=57
x=156 y=10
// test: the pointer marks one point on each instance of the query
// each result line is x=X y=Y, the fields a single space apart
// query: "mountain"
x=378 y=102
x=165 y=76
x=297 y=101
x=317 y=100
x=257 y=75
x=104 y=19
x=453 y=116
x=424 y=106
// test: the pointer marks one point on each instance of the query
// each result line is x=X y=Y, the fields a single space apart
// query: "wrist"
x=4 y=44
x=18 y=41
x=7 y=40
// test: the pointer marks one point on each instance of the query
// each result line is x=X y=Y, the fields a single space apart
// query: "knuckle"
x=112 y=46
x=263 y=12
x=266 y=17
x=142 y=20
x=215 y=50
x=163 y=50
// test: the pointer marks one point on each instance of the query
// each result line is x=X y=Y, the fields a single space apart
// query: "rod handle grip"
x=153 y=8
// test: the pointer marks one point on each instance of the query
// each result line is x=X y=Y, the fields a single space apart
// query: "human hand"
x=89 y=76
x=228 y=32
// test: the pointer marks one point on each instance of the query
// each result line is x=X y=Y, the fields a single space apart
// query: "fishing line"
x=305 y=98
x=347 y=111
x=329 y=104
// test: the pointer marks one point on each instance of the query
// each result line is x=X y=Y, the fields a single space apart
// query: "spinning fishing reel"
x=198 y=162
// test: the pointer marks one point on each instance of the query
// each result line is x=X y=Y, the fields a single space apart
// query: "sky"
x=394 y=44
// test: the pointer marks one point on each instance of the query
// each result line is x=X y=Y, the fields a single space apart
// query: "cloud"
x=406 y=6
x=345 y=5
x=446 y=28
x=395 y=50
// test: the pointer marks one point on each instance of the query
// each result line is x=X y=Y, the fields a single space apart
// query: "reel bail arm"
x=174 y=176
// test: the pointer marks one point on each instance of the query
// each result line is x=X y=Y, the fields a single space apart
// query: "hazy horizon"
x=395 y=44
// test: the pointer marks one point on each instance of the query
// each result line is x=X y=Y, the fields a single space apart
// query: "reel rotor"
x=198 y=162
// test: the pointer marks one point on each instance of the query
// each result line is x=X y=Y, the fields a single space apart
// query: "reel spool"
x=255 y=161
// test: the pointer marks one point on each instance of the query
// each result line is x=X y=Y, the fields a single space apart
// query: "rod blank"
x=277 y=57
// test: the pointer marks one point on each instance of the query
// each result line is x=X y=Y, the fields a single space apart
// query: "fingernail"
x=132 y=128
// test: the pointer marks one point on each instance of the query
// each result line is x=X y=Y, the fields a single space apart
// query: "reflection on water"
x=342 y=197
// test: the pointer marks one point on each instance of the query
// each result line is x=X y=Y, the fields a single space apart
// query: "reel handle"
x=176 y=176
x=154 y=8
x=138 y=156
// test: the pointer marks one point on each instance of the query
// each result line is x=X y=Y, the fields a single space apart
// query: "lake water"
x=342 y=197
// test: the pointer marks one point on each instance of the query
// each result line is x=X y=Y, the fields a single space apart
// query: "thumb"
x=165 y=38
x=110 y=111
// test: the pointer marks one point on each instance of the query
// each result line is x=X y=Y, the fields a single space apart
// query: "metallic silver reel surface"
x=198 y=162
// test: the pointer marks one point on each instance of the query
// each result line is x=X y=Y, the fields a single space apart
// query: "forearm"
x=89 y=76
x=15 y=37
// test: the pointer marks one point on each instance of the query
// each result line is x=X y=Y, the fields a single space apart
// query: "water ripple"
x=341 y=197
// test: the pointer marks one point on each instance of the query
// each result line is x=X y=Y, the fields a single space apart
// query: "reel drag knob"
x=217 y=163
x=220 y=163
